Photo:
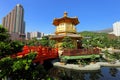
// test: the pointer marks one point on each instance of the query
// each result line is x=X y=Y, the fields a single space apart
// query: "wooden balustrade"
x=78 y=52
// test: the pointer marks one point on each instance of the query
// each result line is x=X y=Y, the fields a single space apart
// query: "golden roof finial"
x=65 y=14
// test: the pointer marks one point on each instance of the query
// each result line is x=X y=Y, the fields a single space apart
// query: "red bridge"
x=46 y=53
x=43 y=53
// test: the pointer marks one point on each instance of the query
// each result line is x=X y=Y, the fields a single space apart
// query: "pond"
x=105 y=73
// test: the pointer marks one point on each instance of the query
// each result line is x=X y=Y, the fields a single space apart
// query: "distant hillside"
x=88 y=34
x=105 y=30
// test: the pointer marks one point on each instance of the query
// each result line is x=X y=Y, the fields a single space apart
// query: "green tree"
x=7 y=46
x=4 y=41
x=33 y=42
x=67 y=43
x=44 y=41
x=52 y=43
x=4 y=36
x=17 y=68
x=93 y=39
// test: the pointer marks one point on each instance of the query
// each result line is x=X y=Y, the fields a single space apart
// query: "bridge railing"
x=78 y=52
x=42 y=52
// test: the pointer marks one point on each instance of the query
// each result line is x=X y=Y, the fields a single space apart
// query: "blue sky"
x=39 y=14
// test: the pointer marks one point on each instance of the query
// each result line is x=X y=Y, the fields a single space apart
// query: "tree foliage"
x=45 y=41
x=4 y=36
x=94 y=39
x=33 y=42
x=7 y=46
x=17 y=68
x=67 y=42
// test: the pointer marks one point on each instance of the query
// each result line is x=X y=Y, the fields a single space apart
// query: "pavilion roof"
x=65 y=18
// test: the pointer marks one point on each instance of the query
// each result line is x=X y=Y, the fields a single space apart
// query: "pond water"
x=105 y=73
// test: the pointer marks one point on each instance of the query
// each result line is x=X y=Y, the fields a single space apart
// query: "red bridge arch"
x=43 y=53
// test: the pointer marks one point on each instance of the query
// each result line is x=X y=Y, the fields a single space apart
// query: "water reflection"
x=105 y=73
x=113 y=71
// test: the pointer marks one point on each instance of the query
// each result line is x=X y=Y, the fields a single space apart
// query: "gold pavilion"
x=66 y=26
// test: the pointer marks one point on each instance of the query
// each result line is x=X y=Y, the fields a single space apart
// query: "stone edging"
x=90 y=67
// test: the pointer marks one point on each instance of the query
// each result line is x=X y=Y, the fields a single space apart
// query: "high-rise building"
x=14 y=22
x=31 y=35
x=116 y=28
x=27 y=35
x=35 y=35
